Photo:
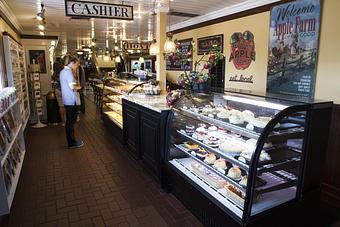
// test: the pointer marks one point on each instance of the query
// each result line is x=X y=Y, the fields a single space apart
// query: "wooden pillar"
x=161 y=37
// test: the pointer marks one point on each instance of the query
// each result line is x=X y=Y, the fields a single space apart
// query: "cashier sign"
x=82 y=9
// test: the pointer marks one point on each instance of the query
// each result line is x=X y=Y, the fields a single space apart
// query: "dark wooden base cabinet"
x=144 y=136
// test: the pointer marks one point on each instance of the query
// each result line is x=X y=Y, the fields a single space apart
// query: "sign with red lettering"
x=293 y=47
x=84 y=9
x=242 y=49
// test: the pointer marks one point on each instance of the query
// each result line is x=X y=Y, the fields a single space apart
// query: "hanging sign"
x=210 y=43
x=136 y=46
x=82 y=9
x=293 y=44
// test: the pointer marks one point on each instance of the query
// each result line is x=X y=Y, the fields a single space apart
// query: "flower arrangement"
x=200 y=73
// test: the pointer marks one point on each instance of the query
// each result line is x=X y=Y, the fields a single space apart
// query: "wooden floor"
x=97 y=185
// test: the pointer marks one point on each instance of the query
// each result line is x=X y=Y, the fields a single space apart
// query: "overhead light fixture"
x=41 y=27
x=86 y=48
x=41 y=14
x=79 y=52
x=169 y=45
x=141 y=59
x=117 y=59
x=106 y=58
x=42 y=33
x=116 y=47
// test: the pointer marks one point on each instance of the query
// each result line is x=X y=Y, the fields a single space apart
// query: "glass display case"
x=246 y=153
x=113 y=91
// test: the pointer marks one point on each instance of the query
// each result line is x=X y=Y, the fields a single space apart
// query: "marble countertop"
x=154 y=102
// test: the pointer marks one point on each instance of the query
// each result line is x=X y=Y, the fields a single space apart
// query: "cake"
x=211 y=115
x=236 y=119
x=212 y=128
x=202 y=130
x=250 y=126
x=220 y=163
x=247 y=115
x=207 y=110
x=260 y=122
x=191 y=146
x=210 y=159
x=234 y=173
x=247 y=154
x=222 y=131
x=208 y=175
x=185 y=107
x=231 y=147
x=220 y=108
x=212 y=141
x=201 y=152
x=223 y=115
x=253 y=142
x=244 y=180
x=189 y=129
x=235 y=195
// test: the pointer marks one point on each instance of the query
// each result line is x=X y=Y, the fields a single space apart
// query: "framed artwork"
x=175 y=64
x=148 y=64
x=38 y=57
x=206 y=44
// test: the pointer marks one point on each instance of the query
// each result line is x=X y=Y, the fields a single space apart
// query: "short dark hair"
x=70 y=58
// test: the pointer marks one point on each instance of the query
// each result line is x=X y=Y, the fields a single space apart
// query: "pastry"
x=247 y=155
x=234 y=112
x=185 y=107
x=212 y=128
x=253 y=142
x=247 y=115
x=260 y=122
x=202 y=130
x=250 y=126
x=212 y=141
x=210 y=159
x=244 y=180
x=235 y=195
x=231 y=147
x=234 y=173
x=207 y=110
x=222 y=131
x=201 y=152
x=223 y=115
x=211 y=115
x=220 y=108
x=220 y=163
x=208 y=175
x=236 y=119
x=189 y=129
x=191 y=146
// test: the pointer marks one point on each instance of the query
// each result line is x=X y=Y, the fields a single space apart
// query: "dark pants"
x=82 y=101
x=71 y=119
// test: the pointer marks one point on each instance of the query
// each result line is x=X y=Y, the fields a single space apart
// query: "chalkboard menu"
x=207 y=44
x=174 y=62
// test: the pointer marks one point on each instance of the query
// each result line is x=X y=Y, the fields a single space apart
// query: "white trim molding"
x=4 y=8
x=240 y=7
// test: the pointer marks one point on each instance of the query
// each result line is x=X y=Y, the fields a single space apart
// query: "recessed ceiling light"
x=42 y=33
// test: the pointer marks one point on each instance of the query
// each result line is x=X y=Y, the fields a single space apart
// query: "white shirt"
x=67 y=82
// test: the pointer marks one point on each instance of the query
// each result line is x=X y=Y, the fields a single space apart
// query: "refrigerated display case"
x=246 y=156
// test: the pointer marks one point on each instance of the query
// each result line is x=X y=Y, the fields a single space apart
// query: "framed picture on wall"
x=175 y=63
x=38 y=57
x=148 y=64
x=207 y=44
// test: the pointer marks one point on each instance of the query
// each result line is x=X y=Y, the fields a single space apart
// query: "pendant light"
x=141 y=59
x=117 y=59
x=154 y=48
x=169 y=45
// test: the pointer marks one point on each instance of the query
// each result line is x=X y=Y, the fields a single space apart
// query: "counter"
x=153 y=102
x=144 y=130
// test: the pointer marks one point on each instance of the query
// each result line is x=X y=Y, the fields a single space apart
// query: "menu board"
x=209 y=43
x=174 y=62
x=293 y=47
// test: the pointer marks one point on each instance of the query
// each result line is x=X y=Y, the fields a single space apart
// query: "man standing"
x=71 y=99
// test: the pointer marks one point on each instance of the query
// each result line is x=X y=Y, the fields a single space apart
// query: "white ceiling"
x=75 y=32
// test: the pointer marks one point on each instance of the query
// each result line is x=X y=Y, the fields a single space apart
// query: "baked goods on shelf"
x=247 y=115
x=189 y=129
x=191 y=146
x=234 y=173
x=220 y=163
x=230 y=147
x=247 y=154
x=244 y=180
x=208 y=175
x=235 y=195
x=210 y=159
x=236 y=119
x=201 y=152
x=212 y=141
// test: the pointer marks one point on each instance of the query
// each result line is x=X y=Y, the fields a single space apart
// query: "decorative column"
x=160 y=38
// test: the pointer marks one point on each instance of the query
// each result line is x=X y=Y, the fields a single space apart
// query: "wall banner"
x=293 y=45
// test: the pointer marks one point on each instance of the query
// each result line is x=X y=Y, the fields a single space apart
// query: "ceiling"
x=73 y=33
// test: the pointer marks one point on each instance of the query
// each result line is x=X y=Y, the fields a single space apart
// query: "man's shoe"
x=78 y=144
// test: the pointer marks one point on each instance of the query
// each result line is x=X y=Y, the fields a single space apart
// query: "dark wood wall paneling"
x=331 y=176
